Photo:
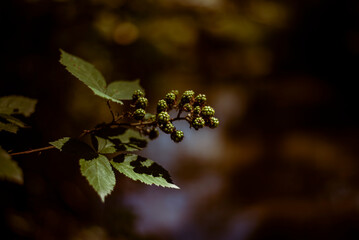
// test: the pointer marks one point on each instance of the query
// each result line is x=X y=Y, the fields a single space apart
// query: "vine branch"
x=86 y=132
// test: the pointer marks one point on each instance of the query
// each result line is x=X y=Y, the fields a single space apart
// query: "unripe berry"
x=187 y=107
x=139 y=114
x=141 y=102
x=163 y=117
x=198 y=123
x=212 y=122
x=167 y=127
x=171 y=97
x=207 y=112
x=197 y=111
x=137 y=94
x=153 y=133
x=161 y=106
x=187 y=96
x=177 y=136
x=200 y=99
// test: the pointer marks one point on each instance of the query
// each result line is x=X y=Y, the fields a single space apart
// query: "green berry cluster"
x=198 y=113
x=139 y=102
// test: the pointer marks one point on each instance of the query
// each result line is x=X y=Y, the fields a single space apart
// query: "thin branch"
x=33 y=150
x=85 y=132
x=112 y=114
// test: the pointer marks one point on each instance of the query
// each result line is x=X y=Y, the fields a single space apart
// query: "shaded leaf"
x=17 y=105
x=142 y=169
x=99 y=174
x=75 y=147
x=9 y=127
x=10 y=123
x=123 y=89
x=104 y=145
x=125 y=140
x=9 y=168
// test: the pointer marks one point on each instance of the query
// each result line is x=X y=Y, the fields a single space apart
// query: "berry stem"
x=112 y=114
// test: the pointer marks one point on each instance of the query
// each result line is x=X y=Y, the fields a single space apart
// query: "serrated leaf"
x=99 y=174
x=111 y=140
x=123 y=89
x=60 y=142
x=75 y=147
x=142 y=169
x=93 y=78
x=105 y=145
x=17 y=105
x=9 y=168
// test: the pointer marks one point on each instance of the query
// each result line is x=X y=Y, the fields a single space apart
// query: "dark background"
x=280 y=74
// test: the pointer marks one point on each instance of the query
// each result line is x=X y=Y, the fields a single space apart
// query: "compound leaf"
x=17 y=105
x=99 y=174
x=9 y=168
x=142 y=169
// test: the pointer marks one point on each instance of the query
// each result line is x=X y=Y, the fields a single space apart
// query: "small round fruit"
x=187 y=107
x=163 y=117
x=167 y=127
x=207 y=112
x=198 y=123
x=171 y=98
x=200 y=99
x=213 y=122
x=153 y=133
x=161 y=106
x=137 y=94
x=177 y=136
x=187 y=96
x=141 y=102
x=139 y=114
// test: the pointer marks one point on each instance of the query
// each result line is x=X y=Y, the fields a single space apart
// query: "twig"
x=85 y=132
x=112 y=114
x=33 y=150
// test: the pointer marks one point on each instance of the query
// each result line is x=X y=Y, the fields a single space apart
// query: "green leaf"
x=10 y=123
x=111 y=140
x=142 y=169
x=99 y=174
x=9 y=127
x=105 y=145
x=60 y=142
x=17 y=105
x=90 y=76
x=123 y=89
x=9 y=168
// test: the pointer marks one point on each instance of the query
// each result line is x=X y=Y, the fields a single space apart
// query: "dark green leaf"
x=76 y=147
x=9 y=168
x=17 y=105
x=142 y=169
x=124 y=140
x=99 y=174
x=10 y=123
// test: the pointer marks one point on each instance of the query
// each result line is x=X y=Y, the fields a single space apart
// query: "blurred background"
x=283 y=164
